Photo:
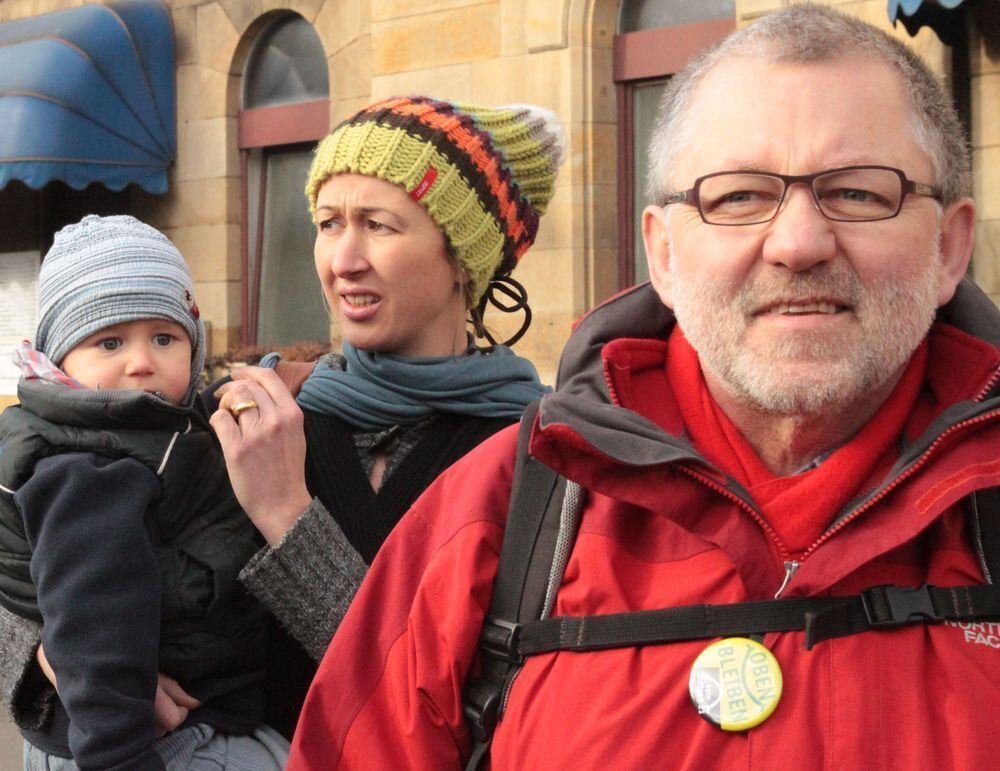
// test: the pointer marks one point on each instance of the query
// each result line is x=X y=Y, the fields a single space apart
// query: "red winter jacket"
x=662 y=528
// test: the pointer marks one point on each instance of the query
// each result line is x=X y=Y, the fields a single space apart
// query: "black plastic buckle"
x=500 y=638
x=481 y=705
x=889 y=605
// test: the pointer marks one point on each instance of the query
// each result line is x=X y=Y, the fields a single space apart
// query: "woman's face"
x=385 y=270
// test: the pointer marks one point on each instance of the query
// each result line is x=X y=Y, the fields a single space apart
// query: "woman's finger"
x=244 y=396
x=268 y=380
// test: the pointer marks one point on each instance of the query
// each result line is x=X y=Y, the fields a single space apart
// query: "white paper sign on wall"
x=18 y=310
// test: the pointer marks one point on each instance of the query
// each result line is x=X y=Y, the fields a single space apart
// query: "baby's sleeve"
x=95 y=568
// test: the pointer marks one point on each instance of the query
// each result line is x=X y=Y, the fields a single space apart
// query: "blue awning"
x=939 y=15
x=87 y=95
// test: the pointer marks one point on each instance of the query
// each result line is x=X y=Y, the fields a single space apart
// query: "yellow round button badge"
x=735 y=683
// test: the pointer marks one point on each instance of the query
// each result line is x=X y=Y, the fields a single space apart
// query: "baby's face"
x=148 y=354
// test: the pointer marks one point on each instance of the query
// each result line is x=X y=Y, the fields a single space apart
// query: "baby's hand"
x=172 y=705
x=46 y=667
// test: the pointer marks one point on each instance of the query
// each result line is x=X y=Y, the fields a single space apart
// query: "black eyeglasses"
x=848 y=194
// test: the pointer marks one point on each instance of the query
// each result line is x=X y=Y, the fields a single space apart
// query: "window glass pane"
x=645 y=99
x=287 y=65
x=290 y=306
x=653 y=14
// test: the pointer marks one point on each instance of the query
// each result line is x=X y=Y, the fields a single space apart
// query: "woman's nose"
x=349 y=253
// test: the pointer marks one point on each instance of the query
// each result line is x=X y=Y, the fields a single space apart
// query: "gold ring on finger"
x=237 y=409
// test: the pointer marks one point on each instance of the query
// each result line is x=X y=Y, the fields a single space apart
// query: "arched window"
x=285 y=109
x=655 y=39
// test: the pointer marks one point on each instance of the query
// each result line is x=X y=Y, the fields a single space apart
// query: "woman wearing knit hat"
x=422 y=209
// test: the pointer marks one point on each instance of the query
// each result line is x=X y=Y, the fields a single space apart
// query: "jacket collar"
x=101 y=409
x=583 y=433
x=586 y=402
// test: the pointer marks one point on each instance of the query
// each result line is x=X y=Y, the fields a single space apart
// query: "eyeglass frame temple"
x=906 y=185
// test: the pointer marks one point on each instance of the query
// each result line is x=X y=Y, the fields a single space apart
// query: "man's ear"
x=958 y=236
x=656 y=237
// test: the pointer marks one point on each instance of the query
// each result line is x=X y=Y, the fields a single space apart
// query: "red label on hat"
x=421 y=190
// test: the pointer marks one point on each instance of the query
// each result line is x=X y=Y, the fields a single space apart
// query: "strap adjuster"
x=500 y=639
x=889 y=605
x=481 y=706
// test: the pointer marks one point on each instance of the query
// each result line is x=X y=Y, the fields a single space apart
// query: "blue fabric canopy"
x=87 y=95
x=936 y=14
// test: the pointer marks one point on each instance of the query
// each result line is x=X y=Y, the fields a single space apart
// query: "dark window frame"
x=263 y=128
x=640 y=58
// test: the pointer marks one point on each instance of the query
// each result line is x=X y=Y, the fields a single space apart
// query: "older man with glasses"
x=774 y=543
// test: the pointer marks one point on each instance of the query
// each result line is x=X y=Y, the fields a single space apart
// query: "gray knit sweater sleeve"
x=308 y=579
x=27 y=696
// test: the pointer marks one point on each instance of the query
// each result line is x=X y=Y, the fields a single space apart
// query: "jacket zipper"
x=903 y=476
x=976 y=522
x=790 y=565
x=782 y=551
x=505 y=695
x=978 y=536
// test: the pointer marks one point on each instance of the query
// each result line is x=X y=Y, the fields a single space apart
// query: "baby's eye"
x=110 y=343
x=163 y=339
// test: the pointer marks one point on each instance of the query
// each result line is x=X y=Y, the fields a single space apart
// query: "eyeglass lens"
x=851 y=194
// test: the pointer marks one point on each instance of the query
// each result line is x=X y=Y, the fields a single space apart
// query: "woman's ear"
x=463 y=282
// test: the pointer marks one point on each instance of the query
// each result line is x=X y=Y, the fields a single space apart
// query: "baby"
x=119 y=532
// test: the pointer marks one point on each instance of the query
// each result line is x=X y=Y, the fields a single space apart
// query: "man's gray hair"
x=815 y=33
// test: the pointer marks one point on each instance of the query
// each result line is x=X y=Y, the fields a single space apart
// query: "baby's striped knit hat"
x=102 y=271
x=484 y=174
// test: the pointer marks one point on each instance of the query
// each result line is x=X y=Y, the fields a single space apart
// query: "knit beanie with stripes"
x=108 y=270
x=484 y=174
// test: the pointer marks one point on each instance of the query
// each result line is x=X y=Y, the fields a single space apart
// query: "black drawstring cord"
x=514 y=291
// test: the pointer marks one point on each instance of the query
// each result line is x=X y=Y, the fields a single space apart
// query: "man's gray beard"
x=894 y=318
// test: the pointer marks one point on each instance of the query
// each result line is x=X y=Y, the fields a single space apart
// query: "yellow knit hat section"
x=531 y=147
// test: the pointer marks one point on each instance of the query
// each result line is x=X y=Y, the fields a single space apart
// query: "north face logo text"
x=987 y=633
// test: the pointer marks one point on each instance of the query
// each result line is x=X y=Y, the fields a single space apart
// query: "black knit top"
x=335 y=475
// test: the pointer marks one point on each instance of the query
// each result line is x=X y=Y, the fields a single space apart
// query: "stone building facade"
x=563 y=54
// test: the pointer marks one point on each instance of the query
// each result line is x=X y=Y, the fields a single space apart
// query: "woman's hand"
x=171 y=705
x=259 y=426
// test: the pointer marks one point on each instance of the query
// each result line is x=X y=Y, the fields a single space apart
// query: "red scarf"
x=799 y=507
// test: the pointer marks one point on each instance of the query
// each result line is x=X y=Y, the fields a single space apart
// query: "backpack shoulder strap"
x=984 y=528
x=519 y=589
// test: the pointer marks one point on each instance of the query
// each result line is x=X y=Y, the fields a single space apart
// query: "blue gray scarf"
x=380 y=390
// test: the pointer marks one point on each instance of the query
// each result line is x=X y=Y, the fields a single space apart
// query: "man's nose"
x=799 y=237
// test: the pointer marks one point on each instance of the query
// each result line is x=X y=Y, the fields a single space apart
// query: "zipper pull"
x=790 y=567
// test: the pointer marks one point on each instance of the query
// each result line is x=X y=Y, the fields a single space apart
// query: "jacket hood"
x=583 y=398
